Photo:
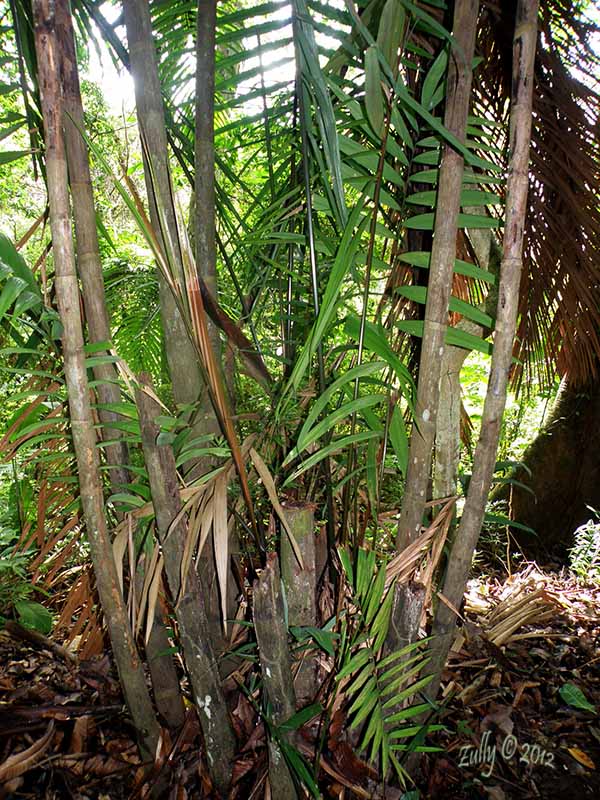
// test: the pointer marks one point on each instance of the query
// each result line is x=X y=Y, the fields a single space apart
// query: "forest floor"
x=521 y=711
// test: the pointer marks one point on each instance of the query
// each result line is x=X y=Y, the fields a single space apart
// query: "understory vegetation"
x=299 y=328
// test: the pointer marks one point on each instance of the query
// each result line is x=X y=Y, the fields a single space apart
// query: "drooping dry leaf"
x=221 y=541
x=269 y=485
x=119 y=547
x=143 y=601
x=153 y=597
x=403 y=566
x=198 y=508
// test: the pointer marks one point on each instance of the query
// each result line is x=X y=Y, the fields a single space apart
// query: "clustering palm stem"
x=124 y=649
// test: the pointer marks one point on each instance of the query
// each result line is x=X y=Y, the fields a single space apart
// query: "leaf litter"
x=525 y=664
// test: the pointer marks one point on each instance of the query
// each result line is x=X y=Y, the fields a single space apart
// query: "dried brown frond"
x=559 y=309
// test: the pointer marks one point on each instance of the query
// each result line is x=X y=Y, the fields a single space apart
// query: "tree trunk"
x=441 y=269
x=524 y=49
x=275 y=663
x=301 y=588
x=447 y=435
x=565 y=455
x=190 y=611
x=125 y=653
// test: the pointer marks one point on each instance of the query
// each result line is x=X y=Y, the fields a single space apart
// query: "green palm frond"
x=380 y=689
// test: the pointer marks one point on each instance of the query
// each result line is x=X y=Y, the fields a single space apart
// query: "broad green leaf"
x=419 y=295
x=375 y=597
x=344 y=261
x=367 y=691
x=390 y=33
x=431 y=157
x=11 y=290
x=298 y=766
x=398 y=438
x=426 y=222
x=365 y=568
x=33 y=615
x=313 y=80
x=369 y=368
x=346 y=561
x=501 y=519
x=375 y=340
x=381 y=622
x=573 y=696
x=401 y=679
x=358 y=661
x=410 y=691
x=325 y=425
x=454 y=336
x=432 y=80
x=364 y=711
x=422 y=259
x=334 y=447
x=374 y=100
x=468 y=197
x=7 y=156
x=326 y=639
x=13 y=263
x=405 y=97
x=403 y=664
x=301 y=717
x=127 y=499
x=468 y=341
x=405 y=733
x=125 y=409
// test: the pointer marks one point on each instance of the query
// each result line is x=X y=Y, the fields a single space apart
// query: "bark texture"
x=524 y=49
x=125 y=653
x=190 y=612
x=300 y=584
x=274 y=653
x=443 y=254
x=564 y=454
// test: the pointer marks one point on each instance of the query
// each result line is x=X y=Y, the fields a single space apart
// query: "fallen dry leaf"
x=19 y=763
x=581 y=757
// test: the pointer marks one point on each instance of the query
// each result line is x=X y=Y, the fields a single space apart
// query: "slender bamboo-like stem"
x=204 y=183
x=301 y=94
x=524 y=48
x=87 y=249
x=348 y=489
x=443 y=254
x=447 y=436
x=84 y=438
x=164 y=675
x=204 y=226
x=181 y=355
